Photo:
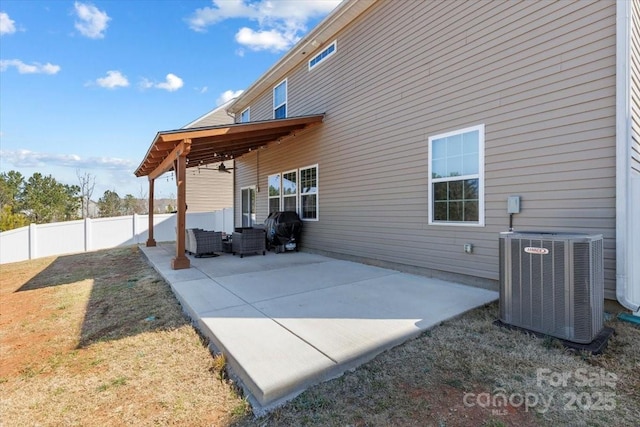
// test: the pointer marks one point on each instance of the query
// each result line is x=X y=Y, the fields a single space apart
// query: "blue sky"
x=85 y=86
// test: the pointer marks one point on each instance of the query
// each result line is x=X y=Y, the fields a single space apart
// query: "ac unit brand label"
x=537 y=251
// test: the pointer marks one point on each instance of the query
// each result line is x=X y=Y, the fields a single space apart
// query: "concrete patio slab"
x=288 y=321
x=270 y=361
x=297 y=279
x=350 y=321
x=234 y=265
x=159 y=255
x=205 y=295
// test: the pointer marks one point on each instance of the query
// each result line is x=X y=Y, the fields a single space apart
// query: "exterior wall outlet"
x=468 y=248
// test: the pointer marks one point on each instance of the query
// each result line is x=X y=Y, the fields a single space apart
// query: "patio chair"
x=200 y=242
x=248 y=240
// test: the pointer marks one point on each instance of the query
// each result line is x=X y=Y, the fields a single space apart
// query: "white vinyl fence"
x=41 y=240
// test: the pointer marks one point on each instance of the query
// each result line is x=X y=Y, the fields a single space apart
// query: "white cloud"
x=221 y=10
x=266 y=40
x=113 y=80
x=27 y=158
x=35 y=68
x=280 y=23
x=227 y=96
x=7 y=25
x=171 y=84
x=92 y=22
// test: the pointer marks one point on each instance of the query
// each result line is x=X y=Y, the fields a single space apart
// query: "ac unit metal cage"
x=553 y=283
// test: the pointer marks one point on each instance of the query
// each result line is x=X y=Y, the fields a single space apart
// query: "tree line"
x=42 y=199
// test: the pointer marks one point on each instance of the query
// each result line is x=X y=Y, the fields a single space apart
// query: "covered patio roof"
x=185 y=148
x=217 y=143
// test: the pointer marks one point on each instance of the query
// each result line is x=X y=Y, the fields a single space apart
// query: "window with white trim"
x=290 y=191
x=274 y=192
x=456 y=179
x=295 y=190
x=309 y=193
x=245 y=116
x=325 y=54
x=280 y=101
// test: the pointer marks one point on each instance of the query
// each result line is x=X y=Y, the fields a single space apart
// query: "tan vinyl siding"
x=262 y=109
x=209 y=190
x=539 y=75
x=215 y=117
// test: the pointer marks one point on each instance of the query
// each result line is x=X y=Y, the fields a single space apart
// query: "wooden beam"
x=156 y=155
x=239 y=128
x=182 y=149
x=162 y=146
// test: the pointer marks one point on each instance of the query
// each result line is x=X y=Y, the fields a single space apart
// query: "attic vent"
x=326 y=52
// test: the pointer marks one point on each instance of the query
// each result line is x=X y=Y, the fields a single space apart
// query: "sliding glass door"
x=248 y=206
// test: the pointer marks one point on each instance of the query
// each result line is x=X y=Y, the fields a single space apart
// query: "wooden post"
x=151 y=241
x=181 y=261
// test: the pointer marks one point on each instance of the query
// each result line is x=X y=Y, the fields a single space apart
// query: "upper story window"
x=456 y=179
x=280 y=101
x=245 y=116
x=326 y=53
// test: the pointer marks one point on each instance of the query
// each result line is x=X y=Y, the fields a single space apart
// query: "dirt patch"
x=99 y=339
x=33 y=324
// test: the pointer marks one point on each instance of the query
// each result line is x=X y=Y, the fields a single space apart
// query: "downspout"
x=233 y=198
x=623 y=155
x=235 y=211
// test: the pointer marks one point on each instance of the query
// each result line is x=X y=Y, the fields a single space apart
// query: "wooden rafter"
x=182 y=149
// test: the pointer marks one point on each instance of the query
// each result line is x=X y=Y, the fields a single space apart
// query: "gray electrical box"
x=513 y=204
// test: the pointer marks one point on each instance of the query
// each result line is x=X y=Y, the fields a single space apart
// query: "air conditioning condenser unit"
x=553 y=283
